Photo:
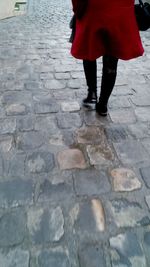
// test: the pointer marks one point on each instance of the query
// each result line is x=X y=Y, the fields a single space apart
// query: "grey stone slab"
x=70 y=120
x=141 y=100
x=92 y=119
x=139 y=130
x=17 y=109
x=1 y=166
x=122 y=116
x=70 y=106
x=91 y=255
x=6 y=143
x=128 y=214
x=119 y=102
x=15 y=258
x=15 y=193
x=131 y=152
x=45 y=225
x=55 y=84
x=12 y=228
x=47 y=76
x=142 y=114
x=43 y=107
x=31 y=85
x=90 y=220
x=68 y=96
x=16 y=164
x=146 y=245
x=40 y=162
x=74 y=84
x=51 y=258
x=145 y=172
x=29 y=140
x=18 y=97
x=7 y=126
x=127 y=251
x=55 y=192
x=91 y=182
x=146 y=144
x=116 y=133
x=46 y=124
x=63 y=75
x=25 y=124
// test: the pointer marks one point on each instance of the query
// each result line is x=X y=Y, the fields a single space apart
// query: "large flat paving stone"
x=91 y=255
x=56 y=190
x=127 y=251
x=16 y=192
x=71 y=159
x=70 y=120
x=7 y=126
x=29 y=140
x=40 y=162
x=128 y=214
x=45 y=225
x=15 y=258
x=145 y=172
x=91 y=182
x=89 y=220
x=12 y=228
x=131 y=152
x=54 y=257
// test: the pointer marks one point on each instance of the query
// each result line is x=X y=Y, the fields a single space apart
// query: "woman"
x=108 y=29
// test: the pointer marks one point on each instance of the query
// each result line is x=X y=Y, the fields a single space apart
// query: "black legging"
x=109 y=74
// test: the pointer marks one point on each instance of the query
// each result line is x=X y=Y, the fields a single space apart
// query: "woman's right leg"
x=90 y=70
x=109 y=75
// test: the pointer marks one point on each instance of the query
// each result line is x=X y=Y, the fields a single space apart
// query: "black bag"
x=142 y=13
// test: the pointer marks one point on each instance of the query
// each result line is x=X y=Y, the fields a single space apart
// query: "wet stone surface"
x=16 y=257
x=91 y=255
x=46 y=225
x=12 y=228
x=55 y=257
x=127 y=251
x=91 y=182
x=128 y=214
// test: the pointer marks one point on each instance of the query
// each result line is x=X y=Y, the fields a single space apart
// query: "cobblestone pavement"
x=74 y=187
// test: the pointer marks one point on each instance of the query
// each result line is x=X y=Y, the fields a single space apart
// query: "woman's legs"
x=109 y=75
x=90 y=70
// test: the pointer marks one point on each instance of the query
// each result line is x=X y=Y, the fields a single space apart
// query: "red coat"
x=107 y=28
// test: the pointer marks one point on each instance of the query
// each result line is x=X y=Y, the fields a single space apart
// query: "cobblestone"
x=122 y=209
x=12 y=228
x=91 y=182
x=9 y=197
x=91 y=255
x=125 y=180
x=74 y=186
x=55 y=257
x=16 y=257
x=127 y=251
x=70 y=159
x=46 y=225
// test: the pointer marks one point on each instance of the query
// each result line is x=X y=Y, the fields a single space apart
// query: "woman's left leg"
x=109 y=74
x=90 y=70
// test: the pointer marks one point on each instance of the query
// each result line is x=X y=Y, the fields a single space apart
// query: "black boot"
x=90 y=70
x=107 y=85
